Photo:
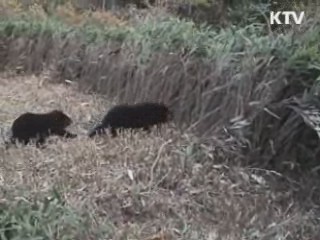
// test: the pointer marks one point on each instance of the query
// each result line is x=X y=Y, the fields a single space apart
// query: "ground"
x=139 y=183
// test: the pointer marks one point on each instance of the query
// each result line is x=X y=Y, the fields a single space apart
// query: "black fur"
x=38 y=127
x=142 y=115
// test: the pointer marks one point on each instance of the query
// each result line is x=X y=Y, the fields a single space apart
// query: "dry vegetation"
x=134 y=185
x=208 y=175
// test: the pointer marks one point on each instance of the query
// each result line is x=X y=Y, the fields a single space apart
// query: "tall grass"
x=207 y=76
x=212 y=79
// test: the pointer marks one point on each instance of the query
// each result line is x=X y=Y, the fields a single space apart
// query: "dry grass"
x=138 y=184
x=67 y=12
x=204 y=94
x=134 y=185
x=70 y=15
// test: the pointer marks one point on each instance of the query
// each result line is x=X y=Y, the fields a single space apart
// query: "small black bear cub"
x=141 y=115
x=38 y=127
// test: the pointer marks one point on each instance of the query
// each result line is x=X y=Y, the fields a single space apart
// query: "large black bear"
x=38 y=127
x=141 y=115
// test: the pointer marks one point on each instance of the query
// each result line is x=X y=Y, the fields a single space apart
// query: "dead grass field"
x=134 y=185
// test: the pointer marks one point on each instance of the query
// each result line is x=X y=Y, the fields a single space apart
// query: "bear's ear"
x=56 y=112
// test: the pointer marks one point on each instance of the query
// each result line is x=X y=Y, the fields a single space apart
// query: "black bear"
x=141 y=115
x=33 y=126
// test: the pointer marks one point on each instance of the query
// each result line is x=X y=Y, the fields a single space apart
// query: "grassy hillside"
x=236 y=163
x=157 y=186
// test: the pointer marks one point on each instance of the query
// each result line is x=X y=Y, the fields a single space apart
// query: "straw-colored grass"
x=134 y=185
